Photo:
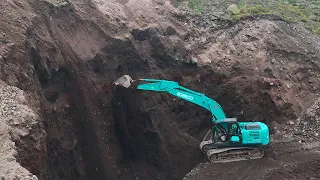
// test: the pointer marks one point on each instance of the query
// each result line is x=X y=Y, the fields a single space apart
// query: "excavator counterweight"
x=228 y=140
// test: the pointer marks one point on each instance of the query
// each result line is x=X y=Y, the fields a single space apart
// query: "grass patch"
x=316 y=31
x=306 y=13
x=196 y=5
x=286 y=9
x=287 y=12
x=253 y=10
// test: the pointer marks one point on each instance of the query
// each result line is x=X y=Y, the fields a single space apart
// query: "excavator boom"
x=175 y=89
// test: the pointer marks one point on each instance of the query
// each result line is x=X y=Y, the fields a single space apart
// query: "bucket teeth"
x=124 y=81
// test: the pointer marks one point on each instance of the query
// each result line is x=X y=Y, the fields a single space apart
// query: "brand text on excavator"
x=184 y=96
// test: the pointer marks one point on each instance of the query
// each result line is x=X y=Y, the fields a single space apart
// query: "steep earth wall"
x=18 y=128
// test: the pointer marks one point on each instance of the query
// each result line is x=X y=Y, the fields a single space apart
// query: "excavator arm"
x=175 y=89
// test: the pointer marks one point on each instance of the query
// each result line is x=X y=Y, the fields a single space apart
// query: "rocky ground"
x=61 y=117
x=17 y=121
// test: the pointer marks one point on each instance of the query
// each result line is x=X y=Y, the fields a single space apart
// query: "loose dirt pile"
x=64 y=56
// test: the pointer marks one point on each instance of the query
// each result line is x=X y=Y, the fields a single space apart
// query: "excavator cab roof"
x=227 y=120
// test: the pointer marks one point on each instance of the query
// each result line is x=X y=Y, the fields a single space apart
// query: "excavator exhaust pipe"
x=124 y=81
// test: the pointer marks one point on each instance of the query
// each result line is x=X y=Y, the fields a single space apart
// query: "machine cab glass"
x=227 y=131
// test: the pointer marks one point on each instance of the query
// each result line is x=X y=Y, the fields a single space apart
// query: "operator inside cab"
x=222 y=132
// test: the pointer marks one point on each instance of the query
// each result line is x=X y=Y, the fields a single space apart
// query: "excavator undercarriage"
x=218 y=154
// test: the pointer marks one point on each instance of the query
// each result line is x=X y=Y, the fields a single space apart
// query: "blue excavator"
x=228 y=140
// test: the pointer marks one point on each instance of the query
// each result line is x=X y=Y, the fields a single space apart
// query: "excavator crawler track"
x=230 y=154
x=234 y=154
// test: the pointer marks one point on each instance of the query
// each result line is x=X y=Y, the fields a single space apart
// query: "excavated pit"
x=99 y=131
x=165 y=131
x=95 y=130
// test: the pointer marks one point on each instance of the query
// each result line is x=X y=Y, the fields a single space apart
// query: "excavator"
x=228 y=140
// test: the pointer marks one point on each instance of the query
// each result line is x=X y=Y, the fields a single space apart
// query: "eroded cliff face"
x=18 y=128
x=64 y=56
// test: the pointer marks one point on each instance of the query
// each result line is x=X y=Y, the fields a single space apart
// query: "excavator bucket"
x=124 y=81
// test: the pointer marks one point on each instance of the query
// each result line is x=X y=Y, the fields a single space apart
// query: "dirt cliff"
x=18 y=126
x=61 y=58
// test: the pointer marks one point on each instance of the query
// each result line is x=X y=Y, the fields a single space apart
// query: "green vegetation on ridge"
x=305 y=12
x=288 y=10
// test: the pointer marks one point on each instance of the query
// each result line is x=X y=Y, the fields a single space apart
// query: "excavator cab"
x=226 y=132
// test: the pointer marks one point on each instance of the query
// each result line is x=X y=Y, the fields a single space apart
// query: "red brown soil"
x=68 y=56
